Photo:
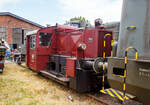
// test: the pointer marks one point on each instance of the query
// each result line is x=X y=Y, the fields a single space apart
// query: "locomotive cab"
x=38 y=48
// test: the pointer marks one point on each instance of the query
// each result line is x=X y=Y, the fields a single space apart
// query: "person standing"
x=16 y=54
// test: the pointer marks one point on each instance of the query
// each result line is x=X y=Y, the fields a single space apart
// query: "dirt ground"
x=20 y=86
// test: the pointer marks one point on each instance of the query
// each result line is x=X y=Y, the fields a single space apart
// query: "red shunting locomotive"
x=66 y=54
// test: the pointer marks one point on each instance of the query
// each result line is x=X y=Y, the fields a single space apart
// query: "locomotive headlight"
x=82 y=46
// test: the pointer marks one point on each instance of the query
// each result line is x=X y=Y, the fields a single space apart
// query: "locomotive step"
x=117 y=94
x=61 y=80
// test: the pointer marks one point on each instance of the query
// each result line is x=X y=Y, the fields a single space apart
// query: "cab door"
x=31 y=52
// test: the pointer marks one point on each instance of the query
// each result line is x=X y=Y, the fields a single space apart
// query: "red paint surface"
x=70 y=67
x=65 y=41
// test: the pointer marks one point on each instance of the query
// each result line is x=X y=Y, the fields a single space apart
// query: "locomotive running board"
x=61 y=80
x=117 y=94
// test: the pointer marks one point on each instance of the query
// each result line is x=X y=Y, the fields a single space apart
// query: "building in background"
x=13 y=28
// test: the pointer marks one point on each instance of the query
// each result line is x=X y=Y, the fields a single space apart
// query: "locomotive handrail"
x=104 y=52
x=104 y=56
x=125 y=70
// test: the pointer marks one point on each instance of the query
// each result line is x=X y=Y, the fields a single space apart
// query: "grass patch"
x=13 y=91
x=20 y=86
x=25 y=70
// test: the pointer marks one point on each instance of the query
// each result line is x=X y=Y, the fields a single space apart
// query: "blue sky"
x=52 y=11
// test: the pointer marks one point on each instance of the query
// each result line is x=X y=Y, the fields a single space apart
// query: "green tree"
x=80 y=18
x=81 y=21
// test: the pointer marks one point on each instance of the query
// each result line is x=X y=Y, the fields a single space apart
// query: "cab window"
x=33 y=42
x=45 y=39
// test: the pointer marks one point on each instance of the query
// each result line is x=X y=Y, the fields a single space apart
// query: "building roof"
x=21 y=18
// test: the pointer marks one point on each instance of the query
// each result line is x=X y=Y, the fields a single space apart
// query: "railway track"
x=98 y=99
x=105 y=99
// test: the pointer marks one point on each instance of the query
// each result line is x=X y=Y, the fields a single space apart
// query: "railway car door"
x=44 y=48
x=31 y=51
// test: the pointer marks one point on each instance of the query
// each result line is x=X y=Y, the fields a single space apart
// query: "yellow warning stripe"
x=130 y=96
x=120 y=97
x=125 y=97
x=116 y=93
x=136 y=55
x=104 y=43
x=129 y=48
x=103 y=67
x=125 y=73
x=103 y=78
x=111 y=53
x=107 y=34
x=102 y=91
x=112 y=43
x=104 y=55
x=125 y=60
x=110 y=93
x=124 y=86
x=103 y=88
x=122 y=76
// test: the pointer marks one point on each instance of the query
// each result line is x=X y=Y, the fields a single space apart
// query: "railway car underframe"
x=76 y=74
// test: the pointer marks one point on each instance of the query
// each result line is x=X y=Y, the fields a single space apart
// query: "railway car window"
x=118 y=71
x=32 y=42
x=45 y=39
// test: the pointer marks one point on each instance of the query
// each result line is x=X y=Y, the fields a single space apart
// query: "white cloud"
x=108 y=10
